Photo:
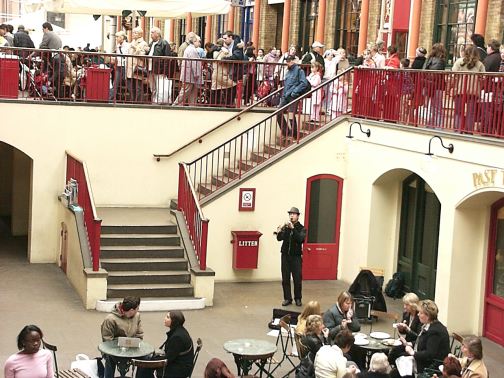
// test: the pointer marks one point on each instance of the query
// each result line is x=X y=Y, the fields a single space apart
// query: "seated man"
x=330 y=361
x=123 y=321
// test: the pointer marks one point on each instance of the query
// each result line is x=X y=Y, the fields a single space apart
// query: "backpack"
x=264 y=89
x=395 y=286
x=305 y=369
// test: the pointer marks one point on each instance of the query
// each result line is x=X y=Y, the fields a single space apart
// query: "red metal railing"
x=462 y=102
x=77 y=170
x=287 y=125
x=196 y=223
x=135 y=79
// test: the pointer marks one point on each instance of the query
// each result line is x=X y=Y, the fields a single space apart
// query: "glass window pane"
x=323 y=208
x=430 y=230
x=409 y=245
x=498 y=284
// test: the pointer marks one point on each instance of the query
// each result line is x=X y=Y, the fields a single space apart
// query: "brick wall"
x=268 y=26
x=294 y=22
x=427 y=24
x=495 y=20
x=374 y=20
x=330 y=24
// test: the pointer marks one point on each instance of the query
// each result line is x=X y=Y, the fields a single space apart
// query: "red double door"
x=493 y=327
x=322 y=221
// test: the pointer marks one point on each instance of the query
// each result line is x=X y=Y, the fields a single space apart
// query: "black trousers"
x=292 y=265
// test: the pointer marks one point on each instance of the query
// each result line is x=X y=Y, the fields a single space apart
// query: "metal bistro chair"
x=362 y=308
x=153 y=364
x=286 y=338
x=71 y=373
x=199 y=345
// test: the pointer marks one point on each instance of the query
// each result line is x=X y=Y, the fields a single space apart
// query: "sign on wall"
x=247 y=199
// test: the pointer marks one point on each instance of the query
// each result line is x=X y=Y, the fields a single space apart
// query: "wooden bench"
x=73 y=373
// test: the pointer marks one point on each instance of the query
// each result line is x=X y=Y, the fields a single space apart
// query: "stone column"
x=319 y=35
x=255 y=26
x=286 y=25
x=414 y=28
x=208 y=29
x=231 y=18
x=363 y=26
x=481 y=17
x=188 y=23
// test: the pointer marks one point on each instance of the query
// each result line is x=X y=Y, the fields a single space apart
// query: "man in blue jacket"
x=295 y=84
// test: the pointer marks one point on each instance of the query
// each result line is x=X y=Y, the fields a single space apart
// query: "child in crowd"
x=315 y=79
x=340 y=96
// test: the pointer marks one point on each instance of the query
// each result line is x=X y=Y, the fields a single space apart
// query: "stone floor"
x=40 y=294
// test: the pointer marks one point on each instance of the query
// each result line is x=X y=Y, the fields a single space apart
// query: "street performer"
x=292 y=234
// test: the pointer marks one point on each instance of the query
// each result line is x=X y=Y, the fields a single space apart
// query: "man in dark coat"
x=22 y=39
x=292 y=235
x=315 y=55
x=160 y=86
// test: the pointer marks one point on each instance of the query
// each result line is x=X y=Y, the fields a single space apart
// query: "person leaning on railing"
x=190 y=74
x=434 y=85
x=122 y=48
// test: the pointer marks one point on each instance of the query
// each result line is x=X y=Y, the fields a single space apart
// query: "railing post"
x=204 y=238
x=96 y=245
x=239 y=93
x=181 y=183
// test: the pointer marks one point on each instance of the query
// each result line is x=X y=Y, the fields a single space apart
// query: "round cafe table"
x=123 y=355
x=374 y=346
x=248 y=352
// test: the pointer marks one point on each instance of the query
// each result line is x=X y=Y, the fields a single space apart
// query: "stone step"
x=247 y=165
x=206 y=189
x=232 y=173
x=151 y=290
x=139 y=239
x=155 y=304
x=154 y=229
x=148 y=277
x=219 y=181
x=143 y=264
x=272 y=149
x=259 y=157
x=135 y=216
x=120 y=252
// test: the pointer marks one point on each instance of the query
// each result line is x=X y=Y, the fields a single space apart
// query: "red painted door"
x=493 y=326
x=322 y=221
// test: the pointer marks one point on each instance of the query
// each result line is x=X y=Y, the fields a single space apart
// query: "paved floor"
x=40 y=294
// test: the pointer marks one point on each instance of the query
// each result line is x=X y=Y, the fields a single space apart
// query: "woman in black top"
x=315 y=337
x=178 y=349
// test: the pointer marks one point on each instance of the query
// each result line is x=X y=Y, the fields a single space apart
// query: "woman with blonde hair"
x=311 y=308
x=315 y=337
x=410 y=326
x=467 y=89
x=136 y=68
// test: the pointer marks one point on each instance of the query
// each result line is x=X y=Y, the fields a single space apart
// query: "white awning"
x=153 y=8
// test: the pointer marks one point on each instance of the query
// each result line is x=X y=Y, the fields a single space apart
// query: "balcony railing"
x=31 y=74
x=76 y=169
x=461 y=102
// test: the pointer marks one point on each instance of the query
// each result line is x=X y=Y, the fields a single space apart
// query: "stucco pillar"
x=208 y=29
x=414 y=28
x=286 y=25
x=255 y=26
x=481 y=17
x=363 y=26
x=231 y=18
x=319 y=36
x=188 y=23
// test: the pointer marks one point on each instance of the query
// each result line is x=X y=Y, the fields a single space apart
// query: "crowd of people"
x=325 y=344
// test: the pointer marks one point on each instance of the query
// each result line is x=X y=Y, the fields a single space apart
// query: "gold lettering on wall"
x=486 y=178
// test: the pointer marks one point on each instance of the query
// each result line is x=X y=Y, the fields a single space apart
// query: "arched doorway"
x=494 y=293
x=322 y=221
x=419 y=236
x=15 y=201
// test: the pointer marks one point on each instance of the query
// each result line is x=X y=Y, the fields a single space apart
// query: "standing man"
x=124 y=321
x=315 y=55
x=160 y=86
x=292 y=234
x=122 y=48
x=50 y=40
x=190 y=74
x=22 y=39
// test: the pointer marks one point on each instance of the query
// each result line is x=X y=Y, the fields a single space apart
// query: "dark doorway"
x=419 y=236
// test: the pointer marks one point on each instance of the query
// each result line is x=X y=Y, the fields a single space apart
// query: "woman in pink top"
x=31 y=361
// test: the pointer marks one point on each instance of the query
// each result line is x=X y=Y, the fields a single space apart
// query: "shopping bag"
x=88 y=366
x=164 y=89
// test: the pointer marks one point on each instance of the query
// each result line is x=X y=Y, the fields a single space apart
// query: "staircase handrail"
x=196 y=223
x=281 y=110
x=158 y=157
x=86 y=201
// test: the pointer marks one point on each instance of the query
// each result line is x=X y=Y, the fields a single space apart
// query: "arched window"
x=419 y=236
x=455 y=25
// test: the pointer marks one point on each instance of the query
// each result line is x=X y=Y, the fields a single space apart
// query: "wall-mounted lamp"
x=367 y=132
x=450 y=147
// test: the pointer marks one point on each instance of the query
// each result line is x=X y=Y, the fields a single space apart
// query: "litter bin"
x=97 y=84
x=245 y=249
x=9 y=77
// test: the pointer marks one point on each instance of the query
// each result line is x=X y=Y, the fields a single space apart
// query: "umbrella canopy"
x=153 y=8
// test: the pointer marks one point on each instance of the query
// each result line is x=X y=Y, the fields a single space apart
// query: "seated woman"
x=433 y=342
x=311 y=308
x=472 y=362
x=451 y=368
x=340 y=316
x=315 y=337
x=31 y=361
x=410 y=326
x=330 y=361
x=178 y=349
